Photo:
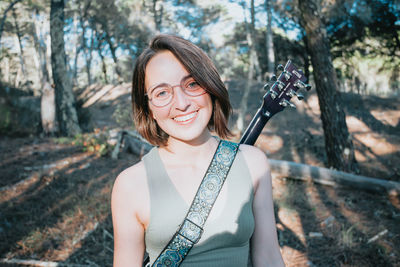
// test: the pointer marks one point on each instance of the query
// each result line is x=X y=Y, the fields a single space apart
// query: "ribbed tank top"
x=226 y=239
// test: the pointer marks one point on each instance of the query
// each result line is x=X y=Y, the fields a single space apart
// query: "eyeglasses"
x=162 y=94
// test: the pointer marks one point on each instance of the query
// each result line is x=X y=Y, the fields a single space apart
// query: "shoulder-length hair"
x=199 y=65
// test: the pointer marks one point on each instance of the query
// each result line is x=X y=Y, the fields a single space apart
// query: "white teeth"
x=185 y=118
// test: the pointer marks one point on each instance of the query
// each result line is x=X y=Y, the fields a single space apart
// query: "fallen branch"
x=131 y=142
x=380 y=234
x=135 y=144
x=287 y=169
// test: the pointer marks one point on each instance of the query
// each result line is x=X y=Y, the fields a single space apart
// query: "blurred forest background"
x=65 y=71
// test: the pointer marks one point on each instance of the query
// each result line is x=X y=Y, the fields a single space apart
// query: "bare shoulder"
x=254 y=156
x=256 y=161
x=131 y=177
x=131 y=184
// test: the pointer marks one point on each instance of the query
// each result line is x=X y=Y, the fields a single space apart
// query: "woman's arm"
x=126 y=203
x=264 y=243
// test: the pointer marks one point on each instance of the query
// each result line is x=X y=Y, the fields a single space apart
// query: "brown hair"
x=199 y=65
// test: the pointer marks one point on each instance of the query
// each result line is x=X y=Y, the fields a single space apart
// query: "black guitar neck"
x=254 y=129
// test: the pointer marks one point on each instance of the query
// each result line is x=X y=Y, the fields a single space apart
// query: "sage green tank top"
x=225 y=240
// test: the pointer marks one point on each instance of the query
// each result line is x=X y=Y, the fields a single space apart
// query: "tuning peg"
x=281 y=85
x=280 y=67
x=287 y=75
x=272 y=78
x=273 y=94
x=299 y=84
x=300 y=96
x=266 y=87
x=285 y=103
x=292 y=93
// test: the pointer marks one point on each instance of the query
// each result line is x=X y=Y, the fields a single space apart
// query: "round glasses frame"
x=185 y=84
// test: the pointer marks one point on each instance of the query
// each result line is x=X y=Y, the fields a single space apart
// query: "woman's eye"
x=193 y=85
x=161 y=93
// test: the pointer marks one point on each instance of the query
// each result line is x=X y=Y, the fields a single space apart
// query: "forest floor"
x=55 y=197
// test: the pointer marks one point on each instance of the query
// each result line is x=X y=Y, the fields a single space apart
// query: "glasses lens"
x=161 y=96
x=192 y=87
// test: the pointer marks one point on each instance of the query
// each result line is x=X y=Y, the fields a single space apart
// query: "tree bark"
x=21 y=50
x=250 y=75
x=103 y=64
x=107 y=37
x=158 y=9
x=253 y=47
x=65 y=108
x=269 y=41
x=40 y=45
x=87 y=51
x=338 y=143
x=47 y=100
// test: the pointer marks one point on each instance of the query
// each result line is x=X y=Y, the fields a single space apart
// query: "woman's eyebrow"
x=162 y=84
x=186 y=77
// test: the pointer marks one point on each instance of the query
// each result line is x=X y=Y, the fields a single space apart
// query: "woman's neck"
x=181 y=151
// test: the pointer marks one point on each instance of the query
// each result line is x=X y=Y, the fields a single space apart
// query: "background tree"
x=338 y=143
x=3 y=19
x=253 y=65
x=269 y=42
x=65 y=101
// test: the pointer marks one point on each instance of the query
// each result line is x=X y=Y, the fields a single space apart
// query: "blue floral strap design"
x=191 y=229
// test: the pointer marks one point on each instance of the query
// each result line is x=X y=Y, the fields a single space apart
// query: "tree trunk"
x=338 y=143
x=47 y=100
x=103 y=65
x=48 y=109
x=253 y=47
x=6 y=75
x=158 y=10
x=250 y=75
x=306 y=60
x=40 y=45
x=246 y=91
x=76 y=51
x=112 y=50
x=21 y=50
x=3 y=20
x=65 y=108
x=87 y=51
x=269 y=41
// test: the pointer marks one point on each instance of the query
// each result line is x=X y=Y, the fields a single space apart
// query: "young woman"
x=178 y=101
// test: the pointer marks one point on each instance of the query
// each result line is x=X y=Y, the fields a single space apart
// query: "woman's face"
x=186 y=117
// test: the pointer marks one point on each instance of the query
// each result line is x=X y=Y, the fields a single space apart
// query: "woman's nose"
x=181 y=101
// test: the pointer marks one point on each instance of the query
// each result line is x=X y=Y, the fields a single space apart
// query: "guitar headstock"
x=283 y=89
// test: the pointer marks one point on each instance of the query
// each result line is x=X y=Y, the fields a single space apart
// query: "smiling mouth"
x=186 y=118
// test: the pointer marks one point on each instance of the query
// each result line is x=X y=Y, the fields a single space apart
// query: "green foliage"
x=346 y=236
x=94 y=142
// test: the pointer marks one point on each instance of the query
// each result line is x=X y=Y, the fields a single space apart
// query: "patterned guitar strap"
x=191 y=228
